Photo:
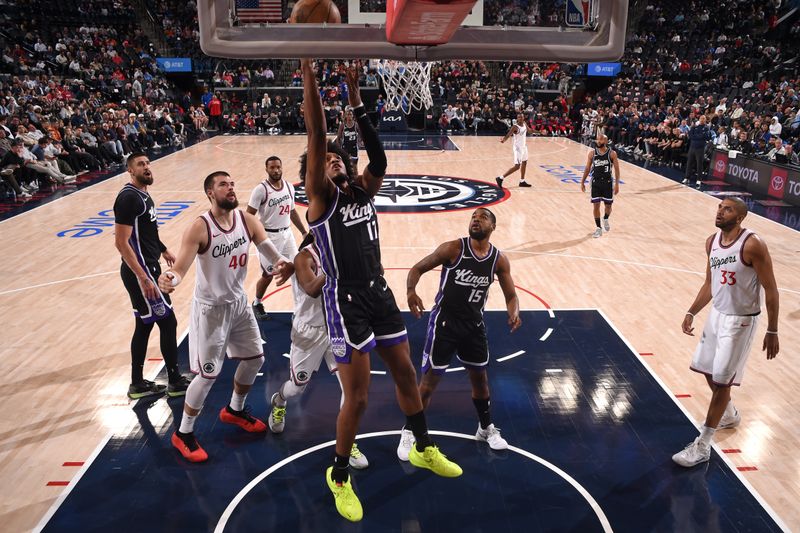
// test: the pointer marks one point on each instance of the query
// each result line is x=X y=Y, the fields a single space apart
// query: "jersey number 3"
x=728 y=277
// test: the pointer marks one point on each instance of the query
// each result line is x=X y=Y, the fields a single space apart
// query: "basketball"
x=315 y=12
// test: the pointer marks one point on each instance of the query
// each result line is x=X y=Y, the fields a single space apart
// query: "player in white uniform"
x=221 y=320
x=310 y=342
x=738 y=266
x=273 y=201
x=519 y=132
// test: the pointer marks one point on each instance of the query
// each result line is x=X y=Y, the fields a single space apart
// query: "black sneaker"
x=259 y=311
x=178 y=388
x=144 y=389
x=499 y=181
x=525 y=184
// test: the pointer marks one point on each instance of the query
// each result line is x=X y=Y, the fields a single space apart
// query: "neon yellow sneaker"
x=346 y=500
x=432 y=459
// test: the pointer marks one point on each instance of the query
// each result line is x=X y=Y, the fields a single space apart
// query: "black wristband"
x=360 y=111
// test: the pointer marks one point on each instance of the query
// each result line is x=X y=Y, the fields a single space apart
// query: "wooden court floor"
x=67 y=323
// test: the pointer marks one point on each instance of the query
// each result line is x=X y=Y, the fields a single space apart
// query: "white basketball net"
x=407 y=84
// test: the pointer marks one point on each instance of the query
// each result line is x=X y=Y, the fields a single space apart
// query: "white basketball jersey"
x=519 y=137
x=222 y=264
x=308 y=310
x=274 y=206
x=735 y=288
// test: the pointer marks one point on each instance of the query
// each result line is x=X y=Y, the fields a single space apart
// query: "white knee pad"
x=197 y=392
x=247 y=370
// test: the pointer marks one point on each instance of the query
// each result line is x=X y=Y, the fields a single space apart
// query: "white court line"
x=546 y=334
x=85 y=468
x=454 y=143
x=226 y=515
x=721 y=455
x=512 y=356
x=553 y=370
x=455 y=369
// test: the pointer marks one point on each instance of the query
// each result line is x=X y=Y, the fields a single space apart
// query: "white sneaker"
x=491 y=435
x=277 y=416
x=685 y=181
x=694 y=454
x=606 y=225
x=730 y=421
x=357 y=459
x=597 y=233
x=70 y=179
x=25 y=195
x=406 y=442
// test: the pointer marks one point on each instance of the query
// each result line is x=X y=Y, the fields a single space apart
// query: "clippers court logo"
x=415 y=193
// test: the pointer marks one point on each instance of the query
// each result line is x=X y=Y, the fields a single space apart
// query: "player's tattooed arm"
x=445 y=254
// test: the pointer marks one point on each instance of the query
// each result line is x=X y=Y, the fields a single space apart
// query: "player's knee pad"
x=198 y=391
x=247 y=370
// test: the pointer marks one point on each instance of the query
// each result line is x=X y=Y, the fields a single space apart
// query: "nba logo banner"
x=578 y=13
x=777 y=182
x=720 y=165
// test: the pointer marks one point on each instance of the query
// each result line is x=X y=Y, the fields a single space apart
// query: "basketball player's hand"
x=169 y=258
x=148 y=288
x=616 y=189
x=503 y=140
x=282 y=271
x=687 y=325
x=583 y=187
x=165 y=283
x=415 y=304
x=771 y=345
x=514 y=321
x=353 y=91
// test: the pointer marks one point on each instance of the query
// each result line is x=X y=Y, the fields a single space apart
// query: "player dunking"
x=273 y=201
x=599 y=162
x=136 y=238
x=519 y=132
x=347 y=138
x=221 y=319
x=360 y=309
x=310 y=343
x=738 y=266
x=456 y=325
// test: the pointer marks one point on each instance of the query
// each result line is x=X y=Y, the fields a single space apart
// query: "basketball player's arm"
x=318 y=187
x=446 y=253
x=372 y=177
x=586 y=170
x=756 y=253
x=703 y=295
x=340 y=133
x=122 y=235
x=256 y=198
x=304 y=273
x=283 y=267
x=615 y=160
x=194 y=240
x=503 y=272
x=514 y=129
x=296 y=220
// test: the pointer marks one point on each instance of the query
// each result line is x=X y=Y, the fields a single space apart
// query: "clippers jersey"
x=735 y=288
x=601 y=166
x=347 y=238
x=222 y=264
x=274 y=206
x=350 y=140
x=308 y=310
x=464 y=285
x=519 y=137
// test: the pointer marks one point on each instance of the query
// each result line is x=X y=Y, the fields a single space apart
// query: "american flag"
x=258 y=10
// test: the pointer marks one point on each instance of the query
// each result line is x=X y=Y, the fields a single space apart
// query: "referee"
x=136 y=238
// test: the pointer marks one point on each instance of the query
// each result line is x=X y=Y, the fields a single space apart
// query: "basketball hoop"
x=407 y=84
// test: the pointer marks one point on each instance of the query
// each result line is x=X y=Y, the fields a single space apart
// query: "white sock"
x=237 y=401
x=187 y=423
x=500 y=178
x=706 y=434
x=278 y=398
x=256 y=301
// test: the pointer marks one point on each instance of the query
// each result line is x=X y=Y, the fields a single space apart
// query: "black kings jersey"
x=601 y=167
x=347 y=237
x=134 y=207
x=464 y=285
x=350 y=140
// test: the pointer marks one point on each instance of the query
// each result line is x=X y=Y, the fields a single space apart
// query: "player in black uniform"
x=360 y=309
x=136 y=238
x=347 y=138
x=599 y=162
x=455 y=325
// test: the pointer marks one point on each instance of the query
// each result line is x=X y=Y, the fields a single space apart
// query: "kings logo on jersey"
x=415 y=193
